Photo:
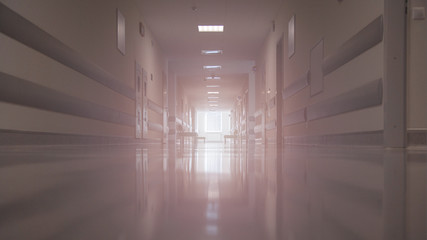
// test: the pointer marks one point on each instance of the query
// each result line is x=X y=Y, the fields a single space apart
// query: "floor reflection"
x=212 y=191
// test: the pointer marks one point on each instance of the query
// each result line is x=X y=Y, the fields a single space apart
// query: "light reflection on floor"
x=212 y=191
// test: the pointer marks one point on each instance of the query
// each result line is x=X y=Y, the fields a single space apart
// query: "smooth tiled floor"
x=213 y=191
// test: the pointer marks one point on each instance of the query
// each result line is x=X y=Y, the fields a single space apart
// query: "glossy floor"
x=212 y=191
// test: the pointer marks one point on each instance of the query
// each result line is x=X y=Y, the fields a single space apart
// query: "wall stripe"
x=27 y=33
x=155 y=107
x=12 y=137
x=374 y=138
x=367 y=38
x=155 y=127
x=368 y=95
x=296 y=86
x=295 y=117
x=18 y=91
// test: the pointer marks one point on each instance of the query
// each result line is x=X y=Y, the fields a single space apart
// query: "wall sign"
x=121 y=35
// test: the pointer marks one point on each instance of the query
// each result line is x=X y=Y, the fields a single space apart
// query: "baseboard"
x=12 y=137
x=374 y=138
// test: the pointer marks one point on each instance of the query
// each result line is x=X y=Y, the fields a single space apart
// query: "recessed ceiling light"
x=213 y=97
x=211 y=52
x=213 y=78
x=212 y=67
x=213 y=92
x=212 y=86
x=213 y=105
x=211 y=28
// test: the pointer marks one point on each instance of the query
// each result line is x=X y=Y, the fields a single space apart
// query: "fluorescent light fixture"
x=212 y=86
x=212 y=101
x=213 y=78
x=211 y=52
x=213 y=97
x=213 y=105
x=213 y=92
x=212 y=67
x=211 y=28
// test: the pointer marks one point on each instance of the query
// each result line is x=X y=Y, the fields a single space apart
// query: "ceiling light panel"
x=211 y=52
x=213 y=92
x=213 y=97
x=212 y=67
x=211 y=28
x=212 y=86
x=212 y=78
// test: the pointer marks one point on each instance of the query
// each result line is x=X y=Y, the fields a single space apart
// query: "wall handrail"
x=22 y=30
x=155 y=107
x=155 y=127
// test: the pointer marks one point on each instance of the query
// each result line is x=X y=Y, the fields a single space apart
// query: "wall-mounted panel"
x=362 y=41
x=294 y=117
x=296 y=86
x=368 y=95
x=22 y=92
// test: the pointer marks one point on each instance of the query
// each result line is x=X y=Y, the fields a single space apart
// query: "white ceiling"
x=174 y=26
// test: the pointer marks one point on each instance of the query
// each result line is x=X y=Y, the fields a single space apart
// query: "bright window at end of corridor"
x=213 y=122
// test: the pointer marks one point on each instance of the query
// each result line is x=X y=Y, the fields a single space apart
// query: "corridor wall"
x=332 y=85
x=63 y=78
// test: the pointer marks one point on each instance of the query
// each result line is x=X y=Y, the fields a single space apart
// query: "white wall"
x=89 y=28
x=334 y=22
